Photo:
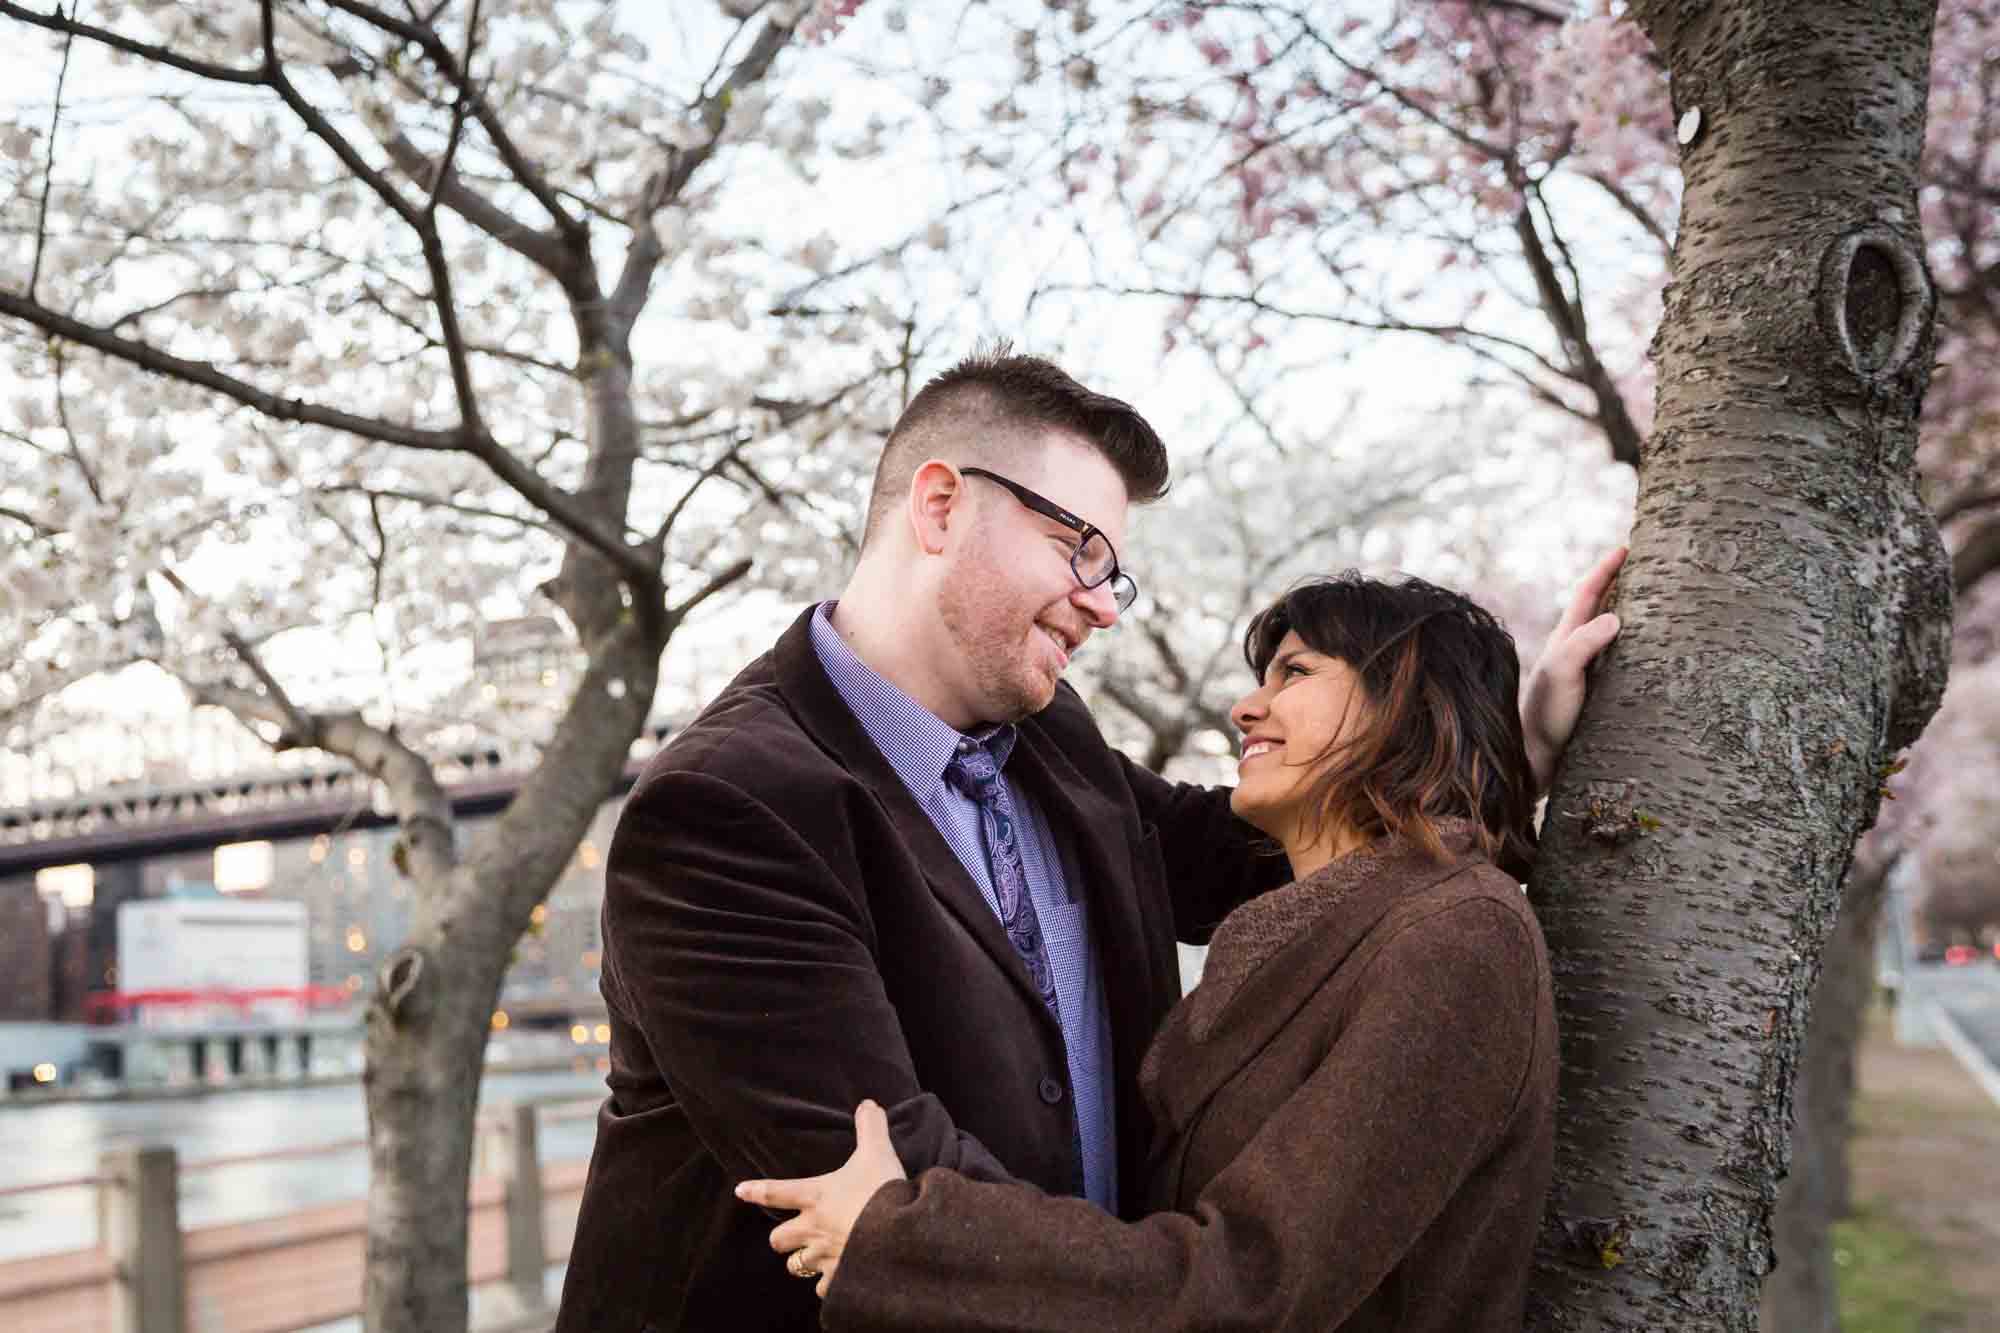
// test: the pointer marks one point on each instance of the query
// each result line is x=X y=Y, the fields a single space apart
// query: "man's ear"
x=934 y=495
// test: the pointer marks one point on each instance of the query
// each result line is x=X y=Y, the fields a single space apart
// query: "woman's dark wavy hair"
x=1440 y=730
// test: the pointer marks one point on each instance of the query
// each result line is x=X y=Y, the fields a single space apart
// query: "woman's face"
x=1306 y=703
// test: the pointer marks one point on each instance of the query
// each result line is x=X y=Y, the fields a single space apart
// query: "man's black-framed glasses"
x=1093 y=562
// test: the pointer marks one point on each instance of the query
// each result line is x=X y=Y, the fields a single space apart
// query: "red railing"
x=101 y=1003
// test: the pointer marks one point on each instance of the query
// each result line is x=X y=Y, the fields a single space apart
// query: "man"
x=895 y=860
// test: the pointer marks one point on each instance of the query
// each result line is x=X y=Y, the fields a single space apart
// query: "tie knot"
x=973 y=771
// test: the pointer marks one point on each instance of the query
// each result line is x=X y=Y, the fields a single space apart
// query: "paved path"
x=1927 y=1147
x=1970 y=997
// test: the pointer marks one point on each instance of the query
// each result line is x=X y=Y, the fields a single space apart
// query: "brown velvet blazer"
x=1356 y=1130
x=786 y=933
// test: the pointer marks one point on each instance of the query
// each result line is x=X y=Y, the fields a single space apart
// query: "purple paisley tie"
x=977 y=777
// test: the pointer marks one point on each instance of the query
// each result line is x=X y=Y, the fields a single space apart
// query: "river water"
x=62 y=1140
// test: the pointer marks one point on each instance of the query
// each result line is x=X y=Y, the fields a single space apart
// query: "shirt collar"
x=915 y=741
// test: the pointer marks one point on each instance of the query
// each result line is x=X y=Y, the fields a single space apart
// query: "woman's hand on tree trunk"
x=1552 y=698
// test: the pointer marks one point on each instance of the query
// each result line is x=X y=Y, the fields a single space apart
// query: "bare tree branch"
x=1977 y=556
x=420 y=220
x=440 y=502
x=376 y=300
x=664 y=186
x=544 y=249
x=458 y=109
x=1485 y=148
x=1453 y=333
x=707 y=474
x=75 y=447
x=423 y=811
x=1566 y=318
x=424 y=35
x=715 y=584
x=36 y=525
x=49 y=164
x=154 y=308
x=530 y=485
x=144 y=50
x=1633 y=209
x=297 y=726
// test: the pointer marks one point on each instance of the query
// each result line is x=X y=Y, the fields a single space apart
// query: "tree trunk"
x=434 y=999
x=1786 y=627
x=1799 y=1296
x=425 y=1049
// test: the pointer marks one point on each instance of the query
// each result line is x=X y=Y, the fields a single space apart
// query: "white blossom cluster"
x=211 y=230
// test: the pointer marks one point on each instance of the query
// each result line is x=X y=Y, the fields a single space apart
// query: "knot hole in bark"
x=1875 y=300
x=396 y=981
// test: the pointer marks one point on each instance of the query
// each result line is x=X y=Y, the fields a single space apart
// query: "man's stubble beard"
x=976 y=607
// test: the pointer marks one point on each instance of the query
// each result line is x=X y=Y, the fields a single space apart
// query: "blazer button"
x=1051 y=1090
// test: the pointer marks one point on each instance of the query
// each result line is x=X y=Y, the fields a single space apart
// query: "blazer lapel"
x=832 y=724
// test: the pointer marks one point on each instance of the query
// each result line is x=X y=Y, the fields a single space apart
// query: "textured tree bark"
x=1786 y=621
x=1798 y=1296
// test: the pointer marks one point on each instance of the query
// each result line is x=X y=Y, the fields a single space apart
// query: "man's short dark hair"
x=987 y=408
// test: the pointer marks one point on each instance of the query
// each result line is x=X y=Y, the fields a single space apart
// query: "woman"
x=1354 y=1112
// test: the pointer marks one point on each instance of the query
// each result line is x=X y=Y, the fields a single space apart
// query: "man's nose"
x=1098 y=604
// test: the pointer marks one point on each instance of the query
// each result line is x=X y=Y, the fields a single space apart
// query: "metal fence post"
x=139 y=1225
x=520 y=1167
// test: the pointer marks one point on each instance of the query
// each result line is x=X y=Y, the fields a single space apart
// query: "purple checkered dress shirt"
x=918 y=746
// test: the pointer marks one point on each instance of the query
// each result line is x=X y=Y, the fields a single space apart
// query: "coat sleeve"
x=1318 y=1208
x=1214 y=861
x=748 y=968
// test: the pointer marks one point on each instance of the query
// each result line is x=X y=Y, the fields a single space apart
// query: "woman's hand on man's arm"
x=1552 y=698
x=828 y=1206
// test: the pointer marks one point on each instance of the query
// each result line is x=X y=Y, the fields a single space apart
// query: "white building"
x=212 y=961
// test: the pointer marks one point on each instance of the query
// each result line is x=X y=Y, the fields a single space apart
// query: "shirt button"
x=1051 y=1090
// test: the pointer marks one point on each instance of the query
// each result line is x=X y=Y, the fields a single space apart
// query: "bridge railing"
x=148 y=1274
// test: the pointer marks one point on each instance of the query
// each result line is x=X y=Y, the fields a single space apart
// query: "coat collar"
x=1271 y=955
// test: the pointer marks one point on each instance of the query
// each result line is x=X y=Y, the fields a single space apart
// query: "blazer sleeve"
x=1214 y=860
x=749 y=969
x=1312 y=1215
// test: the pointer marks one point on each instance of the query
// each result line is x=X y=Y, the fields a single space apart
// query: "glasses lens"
x=1093 y=561
x=1124 y=592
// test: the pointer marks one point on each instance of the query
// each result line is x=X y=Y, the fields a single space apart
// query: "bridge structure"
x=133 y=821
x=119 y=830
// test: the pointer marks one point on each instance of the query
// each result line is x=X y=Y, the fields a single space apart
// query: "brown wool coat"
x=1356 y=1119
x=786 y=933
